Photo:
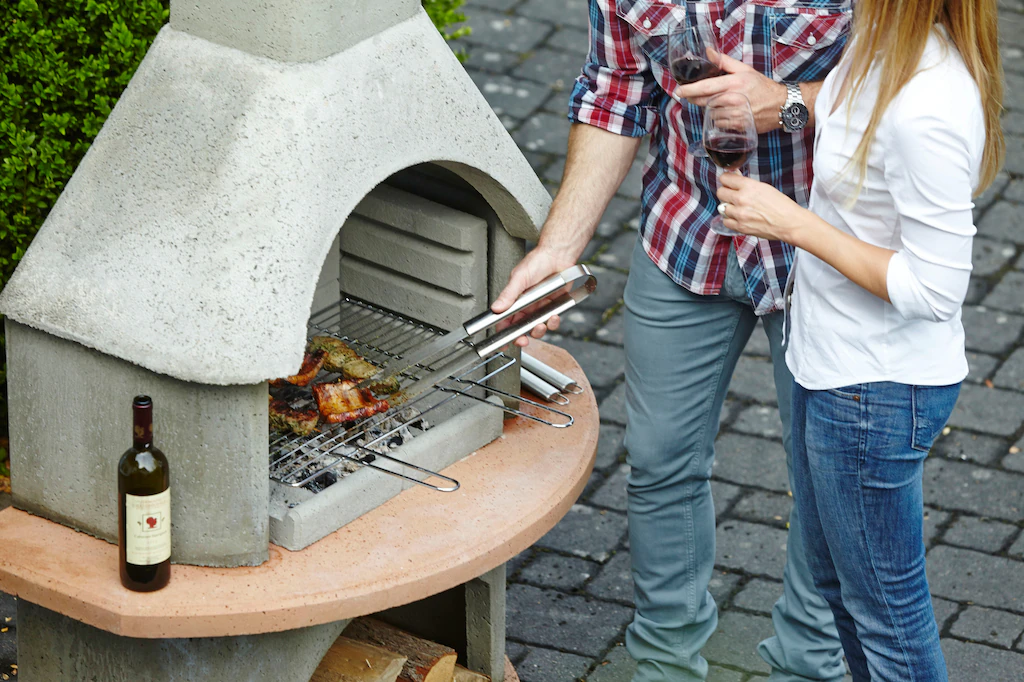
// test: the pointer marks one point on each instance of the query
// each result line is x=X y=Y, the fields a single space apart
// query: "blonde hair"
x=896 y=32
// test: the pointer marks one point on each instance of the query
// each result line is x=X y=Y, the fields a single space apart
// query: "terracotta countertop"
x=417 y=544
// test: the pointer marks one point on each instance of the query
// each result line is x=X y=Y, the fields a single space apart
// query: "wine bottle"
x=144 y=507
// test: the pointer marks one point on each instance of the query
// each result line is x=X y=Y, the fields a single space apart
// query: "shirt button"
x=647 y=23
x=719 y=23
x=812 y=40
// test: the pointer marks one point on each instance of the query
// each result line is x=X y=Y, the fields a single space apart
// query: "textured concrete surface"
x=52 y=647
x=485 y=624
x=70 y=421
x=395 y=242
x=460 y=269
x=289 y=30
x=215 y=190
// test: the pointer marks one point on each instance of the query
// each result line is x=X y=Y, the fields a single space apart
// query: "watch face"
x=795 y=117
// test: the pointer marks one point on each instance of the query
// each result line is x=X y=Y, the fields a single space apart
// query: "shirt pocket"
x=651 y=21
x=806 y=42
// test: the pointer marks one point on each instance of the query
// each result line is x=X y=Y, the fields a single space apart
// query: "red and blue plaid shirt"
x=625 y=86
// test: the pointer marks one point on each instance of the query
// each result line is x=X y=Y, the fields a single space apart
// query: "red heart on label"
x=151 y=522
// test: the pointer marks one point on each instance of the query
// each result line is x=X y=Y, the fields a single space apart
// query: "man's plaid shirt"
x=625 y=86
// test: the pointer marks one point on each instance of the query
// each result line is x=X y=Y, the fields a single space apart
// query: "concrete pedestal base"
x=53 y=647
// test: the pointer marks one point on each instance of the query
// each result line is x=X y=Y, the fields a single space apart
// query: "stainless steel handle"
x=556 y=307
x=551 y=375
x=398 y=474
x=534 y=294
x=541 y=388
x=569 y=419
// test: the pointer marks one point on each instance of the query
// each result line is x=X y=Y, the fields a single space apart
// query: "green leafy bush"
x=444 y=13
x=62 y=67
x=63 y=64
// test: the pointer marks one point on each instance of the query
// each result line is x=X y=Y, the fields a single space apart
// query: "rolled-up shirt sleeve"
x=930 y=171
x=616 y=90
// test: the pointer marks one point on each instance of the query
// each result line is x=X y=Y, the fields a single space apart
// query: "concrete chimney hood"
x=200 y=218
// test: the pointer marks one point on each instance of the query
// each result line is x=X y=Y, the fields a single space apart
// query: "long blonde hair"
x=896 y=32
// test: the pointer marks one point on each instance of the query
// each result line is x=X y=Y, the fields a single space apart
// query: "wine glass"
x=730 y=137
x=693 y=55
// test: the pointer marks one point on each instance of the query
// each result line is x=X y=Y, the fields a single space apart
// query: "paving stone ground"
x=570 y=596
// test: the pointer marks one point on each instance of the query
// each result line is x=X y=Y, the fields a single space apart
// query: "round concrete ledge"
x=419 y=543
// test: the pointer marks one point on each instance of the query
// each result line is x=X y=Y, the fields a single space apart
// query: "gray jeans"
x=681 y=350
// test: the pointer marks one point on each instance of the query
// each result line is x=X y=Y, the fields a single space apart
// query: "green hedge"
x=63 y=64
x=444 y=13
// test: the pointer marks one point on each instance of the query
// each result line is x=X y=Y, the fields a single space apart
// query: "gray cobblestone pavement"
x=570 y=596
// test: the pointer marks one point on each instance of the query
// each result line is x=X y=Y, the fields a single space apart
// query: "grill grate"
x=379 y=336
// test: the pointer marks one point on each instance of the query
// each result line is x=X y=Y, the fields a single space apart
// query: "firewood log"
x=510 y=673
x=466 y=675
x=427 y=661
x=350 y=661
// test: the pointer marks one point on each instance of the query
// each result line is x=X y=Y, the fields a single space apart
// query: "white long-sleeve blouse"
x=916 y=199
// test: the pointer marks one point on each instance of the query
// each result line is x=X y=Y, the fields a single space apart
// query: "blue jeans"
x=681 y=349
x=858 y=455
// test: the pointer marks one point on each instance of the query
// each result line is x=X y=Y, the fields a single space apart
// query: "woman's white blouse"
x=916 y=200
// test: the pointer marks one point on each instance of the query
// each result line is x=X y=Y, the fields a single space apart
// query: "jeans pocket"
x=834 y=430
x=932 y=407
x=851 y=392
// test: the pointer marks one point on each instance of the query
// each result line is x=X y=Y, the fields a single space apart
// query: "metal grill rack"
x=382 y=336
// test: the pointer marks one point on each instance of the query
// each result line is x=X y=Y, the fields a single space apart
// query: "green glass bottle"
x=144 y=507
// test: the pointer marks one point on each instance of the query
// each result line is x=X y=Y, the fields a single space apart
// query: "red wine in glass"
x=729 y=152
x=690 y=69
x=730 y=137
x=693 y=55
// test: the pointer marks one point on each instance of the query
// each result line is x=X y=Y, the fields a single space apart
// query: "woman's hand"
x=758 y=209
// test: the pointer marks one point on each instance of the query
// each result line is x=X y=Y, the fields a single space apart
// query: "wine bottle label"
x=147 y=528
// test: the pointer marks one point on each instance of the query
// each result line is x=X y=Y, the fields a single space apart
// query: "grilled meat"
x=286 y=418
x=341 y=402
x=312 y=362
x=345 y=361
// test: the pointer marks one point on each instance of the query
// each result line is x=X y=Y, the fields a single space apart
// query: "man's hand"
x=595 y=165
x=765 y=95
x=538 y=265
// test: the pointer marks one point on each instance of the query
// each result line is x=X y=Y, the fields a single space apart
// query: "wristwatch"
x=793 y=115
